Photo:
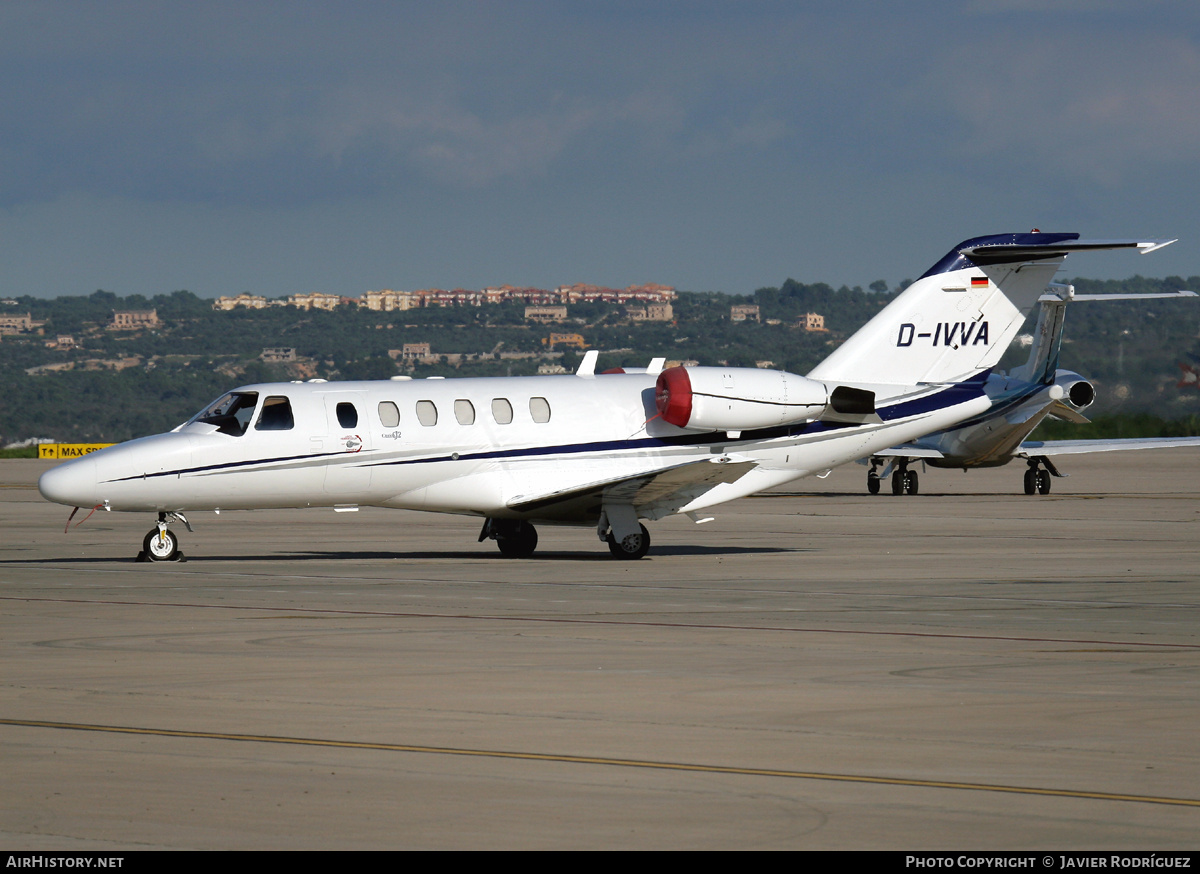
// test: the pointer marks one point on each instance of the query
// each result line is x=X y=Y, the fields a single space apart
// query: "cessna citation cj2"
x=598 y=450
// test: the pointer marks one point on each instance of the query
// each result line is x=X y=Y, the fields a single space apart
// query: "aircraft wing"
x=1032 y=448
x=667 y=487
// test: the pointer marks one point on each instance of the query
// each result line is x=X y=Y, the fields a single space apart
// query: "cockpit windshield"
x=231 y=412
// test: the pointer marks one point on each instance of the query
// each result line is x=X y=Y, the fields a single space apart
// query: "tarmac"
x=969 y=668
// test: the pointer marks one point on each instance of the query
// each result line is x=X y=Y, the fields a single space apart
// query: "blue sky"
x=313 y=146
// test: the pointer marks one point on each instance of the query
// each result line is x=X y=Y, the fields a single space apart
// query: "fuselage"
x=470 y=446
x=1017 y=407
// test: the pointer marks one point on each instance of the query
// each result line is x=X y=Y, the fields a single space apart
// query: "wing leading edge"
x=1033 y=448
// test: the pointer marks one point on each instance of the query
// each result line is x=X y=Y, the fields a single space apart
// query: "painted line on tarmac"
x=1137 y=646
x=609 y=762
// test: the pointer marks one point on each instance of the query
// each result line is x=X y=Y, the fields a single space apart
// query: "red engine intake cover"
x=673 y=396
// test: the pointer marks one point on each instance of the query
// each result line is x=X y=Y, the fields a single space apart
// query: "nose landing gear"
x=160 y=543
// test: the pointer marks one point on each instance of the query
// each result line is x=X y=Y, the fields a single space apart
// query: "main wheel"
x=873 y=483
x=1043 y=482
x=1030 y=481
x=910 y=483
x=631 y=546
x=898 y=483
x=160 y=546
x=517 y=541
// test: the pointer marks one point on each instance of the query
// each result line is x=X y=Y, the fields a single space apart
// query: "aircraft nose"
x=73 y=483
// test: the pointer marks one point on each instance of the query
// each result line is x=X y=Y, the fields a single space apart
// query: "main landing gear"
x=904 y=481
x=631 y=546
x=516 y=539
x=1037 y=478
x=618 y=527
x=161 y=544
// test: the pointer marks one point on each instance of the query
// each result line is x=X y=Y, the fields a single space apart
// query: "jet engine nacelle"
x=1077 y=391
x=1069 y=389
x=737 y=398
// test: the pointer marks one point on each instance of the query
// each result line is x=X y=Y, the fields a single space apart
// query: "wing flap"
x=654 y=487
x=908 y=450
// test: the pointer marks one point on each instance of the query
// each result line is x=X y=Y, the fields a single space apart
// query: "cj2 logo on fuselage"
x=953 y=334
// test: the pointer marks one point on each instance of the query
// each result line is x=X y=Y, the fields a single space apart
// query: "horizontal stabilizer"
x=1132 y=295
x=1064 y=413
x=1024 y=246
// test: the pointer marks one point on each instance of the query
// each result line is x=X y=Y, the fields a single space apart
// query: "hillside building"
x=133 y=320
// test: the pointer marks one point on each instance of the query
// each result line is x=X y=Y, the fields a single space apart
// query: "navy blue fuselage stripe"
x=1001 y=405
x=227 y=465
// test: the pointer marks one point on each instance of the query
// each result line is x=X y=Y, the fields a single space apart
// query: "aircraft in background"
x=1021 y=400
x=599 y=450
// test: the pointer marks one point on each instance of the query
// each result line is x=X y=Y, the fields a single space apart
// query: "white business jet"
x=599 y=450
x=1020 y=399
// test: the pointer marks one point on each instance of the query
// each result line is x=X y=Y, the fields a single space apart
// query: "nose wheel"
x=161 y=543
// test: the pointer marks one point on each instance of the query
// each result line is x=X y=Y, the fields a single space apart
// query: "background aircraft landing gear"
x=873 y=477
x=904 y=481
x=631 y=546
x=516 y=539
x=1037 y=478
x=160 y=543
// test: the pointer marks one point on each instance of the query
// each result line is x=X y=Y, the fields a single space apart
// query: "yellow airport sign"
x=68 y=450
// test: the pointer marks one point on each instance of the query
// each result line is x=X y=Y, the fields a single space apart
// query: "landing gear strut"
x=160 y=543
x=515 y=538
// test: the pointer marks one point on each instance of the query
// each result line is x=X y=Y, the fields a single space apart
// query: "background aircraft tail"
x=1047 y=335
x=959 y=317
x=1047 y=341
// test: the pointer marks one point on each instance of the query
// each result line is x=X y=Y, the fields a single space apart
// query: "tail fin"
x=1047 y=336
x=959 y=317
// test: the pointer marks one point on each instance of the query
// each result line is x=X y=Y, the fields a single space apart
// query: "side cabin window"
x=347 y=415
x=426 y=413
x=502 y=411
x=276 y=415
x=464 y=411
x=389 y=414
x=231 y=412
x=539 y=409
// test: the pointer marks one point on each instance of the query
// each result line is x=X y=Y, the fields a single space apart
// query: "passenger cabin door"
x=346 y=442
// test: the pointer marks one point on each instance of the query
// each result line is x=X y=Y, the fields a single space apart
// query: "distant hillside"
x=106 y=385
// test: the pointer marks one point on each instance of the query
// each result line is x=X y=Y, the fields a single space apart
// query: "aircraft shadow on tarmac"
x=679 y=550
